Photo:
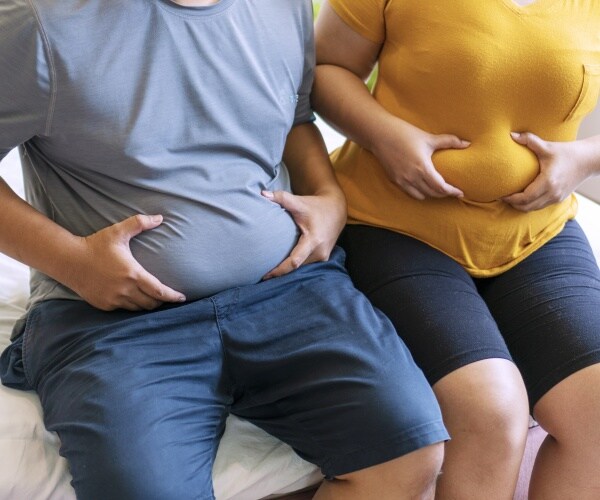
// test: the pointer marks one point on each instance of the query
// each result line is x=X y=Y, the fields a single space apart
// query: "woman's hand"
x=320 y=219
x=105 y=274
x=405 y=153
x=563 y=167
x=345 y=59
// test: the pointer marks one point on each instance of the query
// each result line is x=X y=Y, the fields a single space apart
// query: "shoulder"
x=19 y=29
x=15 y=15
x=367 y=17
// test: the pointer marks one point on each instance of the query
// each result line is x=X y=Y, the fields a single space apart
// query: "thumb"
x=448 y=141
x=285 y=199
x=136 y=224
x=531 y=141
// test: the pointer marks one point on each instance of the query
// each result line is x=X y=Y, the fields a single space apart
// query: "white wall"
x=10 y=171
x=589 y=127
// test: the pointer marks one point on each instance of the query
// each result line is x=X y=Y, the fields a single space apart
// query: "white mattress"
x=250 y=464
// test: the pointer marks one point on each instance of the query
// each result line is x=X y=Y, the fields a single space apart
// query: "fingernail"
x=466 y=143
x=268 y=194
x=515 y=135
x=181 y=298
x=156 y=218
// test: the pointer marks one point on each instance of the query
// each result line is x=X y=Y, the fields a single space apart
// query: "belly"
x=492 y=167
x=201 y=251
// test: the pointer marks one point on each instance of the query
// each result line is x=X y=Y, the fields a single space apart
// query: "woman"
x=459 y=173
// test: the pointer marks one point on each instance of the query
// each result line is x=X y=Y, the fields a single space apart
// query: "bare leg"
x=410 y=477
x=568 y=462
x=485 y=410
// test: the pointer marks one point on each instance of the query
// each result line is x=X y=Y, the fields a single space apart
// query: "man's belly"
x=200 y=251
x=492 y=167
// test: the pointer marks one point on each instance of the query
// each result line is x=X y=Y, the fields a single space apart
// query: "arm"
x=344 y=60
x=318 y=205
x=99 y=268
x=563 y=167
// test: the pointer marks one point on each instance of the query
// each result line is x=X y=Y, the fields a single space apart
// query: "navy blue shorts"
x=139 y=399
x=544 y=313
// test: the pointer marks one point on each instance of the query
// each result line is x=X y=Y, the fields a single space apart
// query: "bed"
x=250 y=464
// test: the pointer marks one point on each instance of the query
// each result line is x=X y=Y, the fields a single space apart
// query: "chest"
x=174 y=83
x=539 y=57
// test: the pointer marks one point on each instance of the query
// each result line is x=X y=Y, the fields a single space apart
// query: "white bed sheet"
x=250 y=464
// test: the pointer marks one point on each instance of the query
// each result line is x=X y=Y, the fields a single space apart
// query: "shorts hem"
x=384 y=451
x=541 y=388
x=465 y=359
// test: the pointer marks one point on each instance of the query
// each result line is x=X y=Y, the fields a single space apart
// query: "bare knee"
x=485 y=406
x=499 y=425
x=570 y=411
x=411 y=476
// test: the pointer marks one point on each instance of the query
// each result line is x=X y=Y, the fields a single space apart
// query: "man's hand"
x=405 y=152
x=563 y=167
x=106 y=275
x=320 y=219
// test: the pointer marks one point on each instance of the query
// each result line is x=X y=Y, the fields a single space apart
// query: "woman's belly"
x=200 y=250
x=492 y=167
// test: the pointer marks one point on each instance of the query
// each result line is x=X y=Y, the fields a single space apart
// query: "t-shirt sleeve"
x=304 y=112
x=366 y=17
x=25 y=83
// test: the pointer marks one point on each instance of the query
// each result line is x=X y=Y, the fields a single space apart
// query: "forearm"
x=344 y=101
x=317 y=205
x=307 y=160
x=590 y=157
x=30 y=237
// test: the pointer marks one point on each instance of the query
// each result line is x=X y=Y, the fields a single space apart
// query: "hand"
x=106 y=275
x=405 y=153
x=562 y=169
x=320 y=218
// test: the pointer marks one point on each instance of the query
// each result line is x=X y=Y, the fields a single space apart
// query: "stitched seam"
x=405 y=436
x=218 y=318
x=51 y=66
x=30 y=322
x=199 y=17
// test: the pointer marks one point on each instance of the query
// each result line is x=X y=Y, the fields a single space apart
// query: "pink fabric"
x=534 y=440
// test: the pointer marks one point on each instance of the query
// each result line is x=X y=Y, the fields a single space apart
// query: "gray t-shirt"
x=144 y=106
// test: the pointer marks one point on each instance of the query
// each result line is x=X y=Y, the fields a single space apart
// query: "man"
x=175 y=278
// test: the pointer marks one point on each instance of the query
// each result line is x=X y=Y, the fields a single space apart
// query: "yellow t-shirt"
x=478 y=69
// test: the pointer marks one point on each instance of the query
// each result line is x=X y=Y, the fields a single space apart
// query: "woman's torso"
x=479 y=71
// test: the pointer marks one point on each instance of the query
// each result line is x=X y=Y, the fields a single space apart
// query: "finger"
x=532 y=198
x=438 y=184
x=440 y=187
x=136 y=300
x=531 y=141
x=448 y=141
x=143 y=301
x=136 y=224
x=152 y=287
x=532 y=192
x=289 y=201
x=537 y=204
x=430 y=191
x=413 y=192
x=299 y=256
x=129 y=305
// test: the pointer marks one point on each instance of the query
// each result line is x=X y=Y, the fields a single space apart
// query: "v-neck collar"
x=535 y=6
x=200 y=11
